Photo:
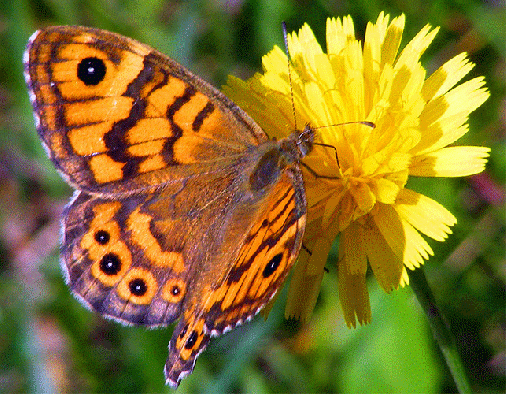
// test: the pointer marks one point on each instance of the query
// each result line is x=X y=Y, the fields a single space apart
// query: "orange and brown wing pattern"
x=264 y=259
x=137 y=259
x=117 y=265
x=117 y=116
x=266 y=255
x=183 y=208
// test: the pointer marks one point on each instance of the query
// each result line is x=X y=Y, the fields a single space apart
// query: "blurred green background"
x=50 y=343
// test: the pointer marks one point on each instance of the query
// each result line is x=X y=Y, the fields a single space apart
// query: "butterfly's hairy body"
x=184 y=208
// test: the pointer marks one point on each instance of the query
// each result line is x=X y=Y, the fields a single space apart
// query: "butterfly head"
x=305 y=140
x=297 y=145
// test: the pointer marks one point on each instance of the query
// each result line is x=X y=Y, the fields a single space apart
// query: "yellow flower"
x=357 y=190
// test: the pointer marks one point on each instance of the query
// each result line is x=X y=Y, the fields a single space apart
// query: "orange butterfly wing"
x=184 y=207
x=117 y=116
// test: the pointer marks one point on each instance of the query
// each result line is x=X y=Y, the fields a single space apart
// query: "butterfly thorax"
x=281 y=154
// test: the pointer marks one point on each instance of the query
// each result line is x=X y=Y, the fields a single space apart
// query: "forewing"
x=116 y=116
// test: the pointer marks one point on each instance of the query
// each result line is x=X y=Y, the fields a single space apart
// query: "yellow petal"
x=339 y=34
x=318 y=258
x=302 y=294
x=386 y=191
x=331 y=207
x=444 y=118
x=387 y=267
x=392 y=40
x=404 y=278
x=411 y=54
x=417 y=249
x=353 y=293
x=363 y=196
x=446 y=76
x=275 y=60
x=406 y=243
x=318 y=107
x=451 y=162
x=425 y=214
x=303 y=47
x=351 y=243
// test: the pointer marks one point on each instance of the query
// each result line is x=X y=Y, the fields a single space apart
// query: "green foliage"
x=50 y=343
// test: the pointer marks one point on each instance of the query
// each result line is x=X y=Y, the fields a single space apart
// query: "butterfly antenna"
x=285 y=38
x=372 y=125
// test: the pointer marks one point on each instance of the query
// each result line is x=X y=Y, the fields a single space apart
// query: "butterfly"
x=183 y=207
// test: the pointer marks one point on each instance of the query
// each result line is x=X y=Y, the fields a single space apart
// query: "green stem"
x=440 y=329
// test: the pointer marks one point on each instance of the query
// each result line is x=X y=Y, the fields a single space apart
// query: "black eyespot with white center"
x=192 y=339
x=272 y=265
x=138 y=287
x=102 y=237
x=175 y=291
x=91 y=70
x=110 y=264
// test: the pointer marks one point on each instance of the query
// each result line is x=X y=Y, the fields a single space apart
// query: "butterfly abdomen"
x=267 y=170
